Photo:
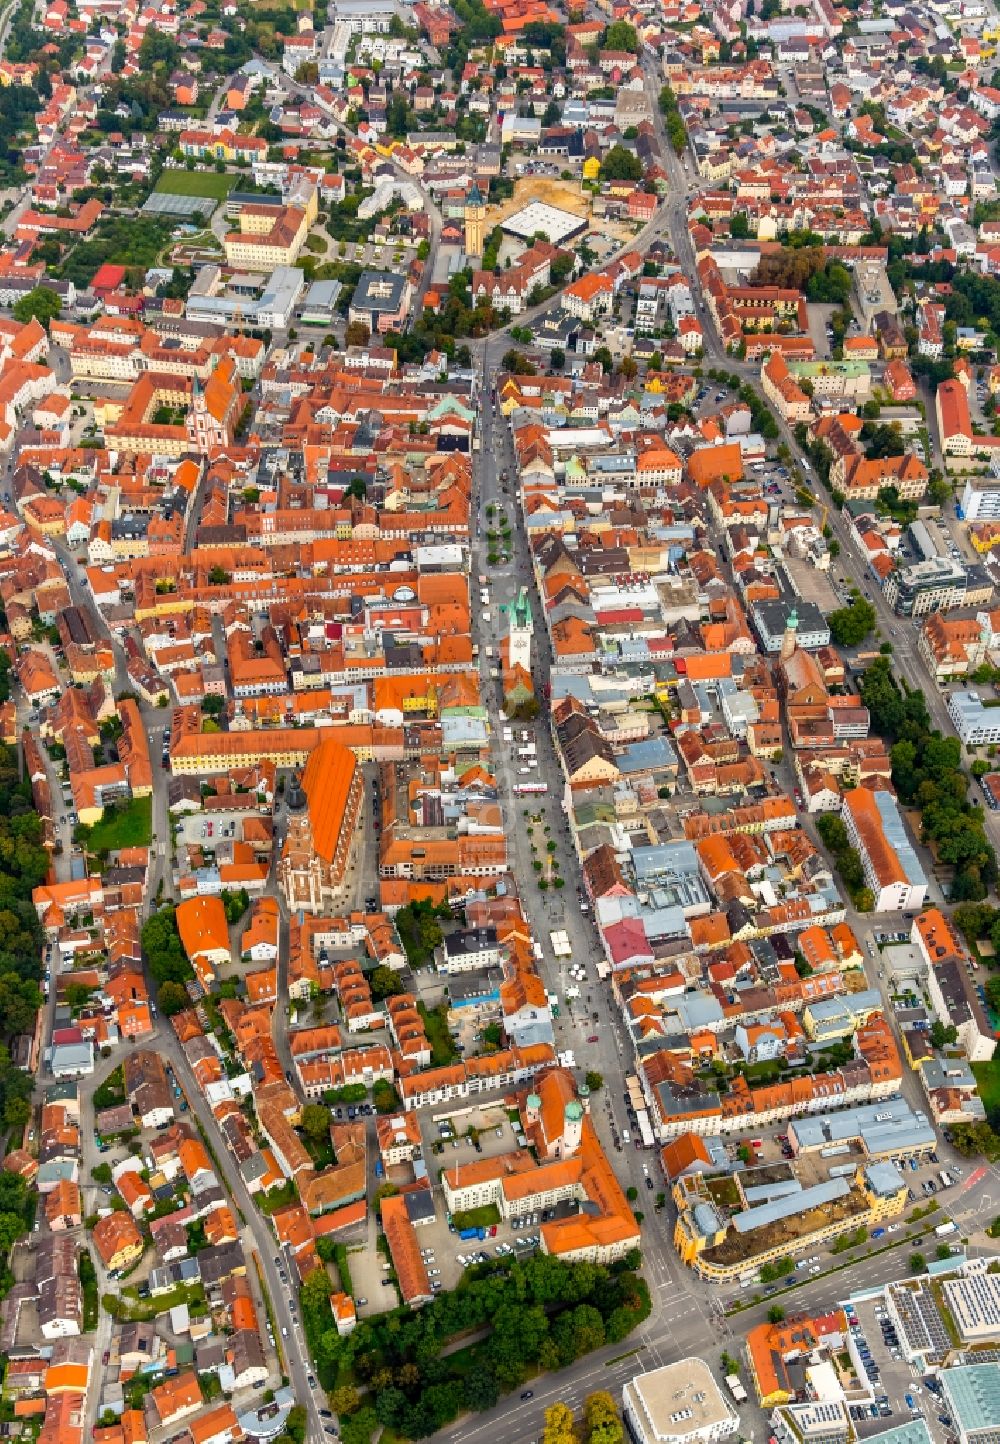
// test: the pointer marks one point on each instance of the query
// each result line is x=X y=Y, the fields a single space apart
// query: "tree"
x=518 y=364
x=739 y=226
x=992 y=991
x=775 y=1314
x=559 y=1426
x=384 y=982
x=480 y=1390
x=941 y=1035
x=621 y=36
x=970 y=1139
x=42 y=304
x=218 y=577
x=595 y=1081
x=357 y=334
x=621 y=164
x=943 y=1251
x=101 y=1173
x=603 y=1423
x=918 y=1264
x=850 y=625
x=78 y=995
x=315 y=1122
x=345 y=1399
x=172 y=998
x=385 y=1097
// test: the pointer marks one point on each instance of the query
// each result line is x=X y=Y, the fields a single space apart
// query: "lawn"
x=212 y=183
x=128 y=826
x=443 y=1050
x=483 y=1217
x=988 y=1078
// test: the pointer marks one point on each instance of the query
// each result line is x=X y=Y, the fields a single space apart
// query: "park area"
x=505 y=1323
x=211 y=184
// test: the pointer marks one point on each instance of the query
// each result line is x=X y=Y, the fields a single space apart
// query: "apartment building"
x=892 y=869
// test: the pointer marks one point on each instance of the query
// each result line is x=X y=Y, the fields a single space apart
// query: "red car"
x=493 y=1230
x=592 y=1038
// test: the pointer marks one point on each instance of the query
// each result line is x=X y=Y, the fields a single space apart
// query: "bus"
x=523 y=789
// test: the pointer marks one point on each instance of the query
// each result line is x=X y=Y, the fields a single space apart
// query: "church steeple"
x=790 y=640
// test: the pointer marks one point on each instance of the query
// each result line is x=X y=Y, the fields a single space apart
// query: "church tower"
x=789 y=641
x=475 y=221
x=522 y=630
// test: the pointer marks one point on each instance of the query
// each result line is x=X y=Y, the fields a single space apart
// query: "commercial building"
x=819 y=1421
x=976 y=725
x=470 y=950
x=245 y=300
x=972 y=1393
x=981 y=497
x=678 y=1404
x=727 y=1228
x=974 y=1303
x=887 y=1129
x=773 y=620
x=892 y=870
x=936 y=583
x=381 y=301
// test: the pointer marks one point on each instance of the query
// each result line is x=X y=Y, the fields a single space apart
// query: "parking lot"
x=899 y=1389
x=198 y=831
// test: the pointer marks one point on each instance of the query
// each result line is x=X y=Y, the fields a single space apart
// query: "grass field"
x=196 y=183
x=128 y=826
x=988 y=1078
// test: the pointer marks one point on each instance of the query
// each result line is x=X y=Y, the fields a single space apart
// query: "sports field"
x=196 y=183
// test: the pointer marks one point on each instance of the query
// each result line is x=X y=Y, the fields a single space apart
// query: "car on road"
x=527 y=1393
x=649 y=1182
x=593 y=1038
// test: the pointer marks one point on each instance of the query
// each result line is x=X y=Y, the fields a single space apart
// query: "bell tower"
x=475 y=221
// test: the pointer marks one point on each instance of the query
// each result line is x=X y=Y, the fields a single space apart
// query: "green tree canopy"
x=621 y=164
x=42 y=304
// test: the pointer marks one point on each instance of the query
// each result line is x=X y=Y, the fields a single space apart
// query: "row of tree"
x=846 y=859
x=601 y=1422
x=928 y=775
